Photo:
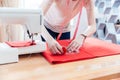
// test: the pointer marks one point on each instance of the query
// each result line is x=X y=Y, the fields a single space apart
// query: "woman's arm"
x=45 y=5
x=91 y=18
x=53 y=45
x=78 y=41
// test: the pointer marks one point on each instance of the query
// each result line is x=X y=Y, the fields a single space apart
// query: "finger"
x=69 y=51
x=78 y=48
x=69 y=46
x=77 y=51
x=73 y=48
x=57 y=51
x=59 y=47
x=52 y=50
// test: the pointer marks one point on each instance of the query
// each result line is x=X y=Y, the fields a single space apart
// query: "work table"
x=36 y=67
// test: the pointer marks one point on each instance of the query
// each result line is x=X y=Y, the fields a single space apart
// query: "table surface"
x=36 y=67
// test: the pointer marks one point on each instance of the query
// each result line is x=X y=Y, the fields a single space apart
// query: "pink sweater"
x=60 y=13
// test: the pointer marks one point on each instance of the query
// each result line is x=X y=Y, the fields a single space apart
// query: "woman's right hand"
x=55 y=48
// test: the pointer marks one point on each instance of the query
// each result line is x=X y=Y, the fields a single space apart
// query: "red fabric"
x=92 y=48
x=20 y=43
x=64 y=50
x=100 y=48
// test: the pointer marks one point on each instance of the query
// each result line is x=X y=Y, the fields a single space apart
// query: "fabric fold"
x=92 y=48
x=20 y=43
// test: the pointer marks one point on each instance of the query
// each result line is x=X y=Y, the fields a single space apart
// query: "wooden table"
x=36 y=67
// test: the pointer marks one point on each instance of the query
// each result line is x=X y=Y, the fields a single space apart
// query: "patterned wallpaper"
x=107 y=16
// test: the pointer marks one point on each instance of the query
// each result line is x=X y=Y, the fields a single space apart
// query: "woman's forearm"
x=91 y=18
x=45 y=7
x=46 y=35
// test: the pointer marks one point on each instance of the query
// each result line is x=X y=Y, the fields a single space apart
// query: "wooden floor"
x=35 y=67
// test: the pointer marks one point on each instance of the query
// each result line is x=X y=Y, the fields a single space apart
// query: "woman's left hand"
x=75 y=45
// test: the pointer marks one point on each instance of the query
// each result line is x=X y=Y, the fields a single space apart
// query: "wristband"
x=84 y=36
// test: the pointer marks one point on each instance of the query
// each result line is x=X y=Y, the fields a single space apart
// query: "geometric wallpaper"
x=108 y=20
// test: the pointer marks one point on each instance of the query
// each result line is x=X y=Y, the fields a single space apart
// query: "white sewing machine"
x=32 y=19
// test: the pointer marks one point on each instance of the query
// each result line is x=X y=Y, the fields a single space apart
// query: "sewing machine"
x=32 y=19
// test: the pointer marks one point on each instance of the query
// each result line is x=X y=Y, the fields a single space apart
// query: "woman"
x=58 y=14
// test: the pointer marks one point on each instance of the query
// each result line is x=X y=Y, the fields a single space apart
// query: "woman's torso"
x=60 y=13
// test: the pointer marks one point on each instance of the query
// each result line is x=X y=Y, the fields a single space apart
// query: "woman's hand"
x=55 y=47
x=75 y=45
